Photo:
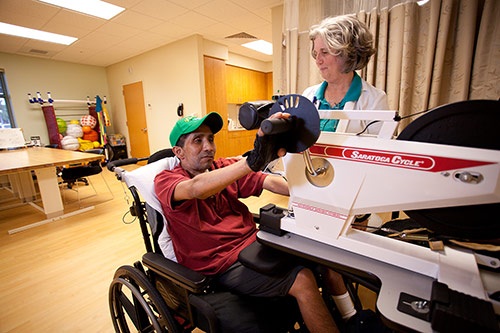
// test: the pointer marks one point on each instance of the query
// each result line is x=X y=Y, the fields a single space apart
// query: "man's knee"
x=304 y=281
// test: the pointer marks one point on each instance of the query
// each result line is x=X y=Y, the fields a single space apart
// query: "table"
x=19 y=163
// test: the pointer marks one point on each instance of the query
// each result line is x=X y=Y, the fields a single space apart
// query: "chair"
x=158 y=294
x=74 y=176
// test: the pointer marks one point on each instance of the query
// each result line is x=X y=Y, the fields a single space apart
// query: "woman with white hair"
x=341 y=45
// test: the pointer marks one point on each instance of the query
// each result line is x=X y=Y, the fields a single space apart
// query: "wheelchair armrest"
x=193 y=281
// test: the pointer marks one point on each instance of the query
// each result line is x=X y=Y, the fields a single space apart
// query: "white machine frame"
x=376 y=174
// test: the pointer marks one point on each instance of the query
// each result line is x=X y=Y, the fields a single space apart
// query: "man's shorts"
x=243 y=280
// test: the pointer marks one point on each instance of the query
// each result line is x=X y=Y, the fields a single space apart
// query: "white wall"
x=64 y=80
x=170 y=75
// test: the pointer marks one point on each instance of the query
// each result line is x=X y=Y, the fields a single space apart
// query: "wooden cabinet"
x=240 y=141
x=234 y=86
x=269 y=86
x=243 y=85
x=225 y=84
x=215 y=97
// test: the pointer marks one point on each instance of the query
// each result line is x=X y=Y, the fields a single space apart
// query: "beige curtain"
x=428 y=54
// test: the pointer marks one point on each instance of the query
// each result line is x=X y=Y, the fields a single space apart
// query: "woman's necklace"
x=335 y=93
x=334 y=99
x=334 y=104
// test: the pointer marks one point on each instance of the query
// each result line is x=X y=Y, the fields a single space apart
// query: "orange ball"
x=86 y=129
x=91 y=136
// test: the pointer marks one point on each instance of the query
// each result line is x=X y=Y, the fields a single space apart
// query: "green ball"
x=61 y=125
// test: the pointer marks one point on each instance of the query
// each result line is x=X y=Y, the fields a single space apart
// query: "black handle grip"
x=276 y=126
x=126 y=161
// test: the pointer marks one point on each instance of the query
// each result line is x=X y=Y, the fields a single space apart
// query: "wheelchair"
x=158 y=294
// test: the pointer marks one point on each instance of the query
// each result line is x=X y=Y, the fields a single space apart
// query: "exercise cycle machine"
x=443 y=171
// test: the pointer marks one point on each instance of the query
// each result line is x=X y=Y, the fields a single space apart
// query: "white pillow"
x=143 y=179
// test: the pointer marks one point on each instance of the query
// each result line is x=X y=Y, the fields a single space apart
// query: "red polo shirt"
x=209 y=234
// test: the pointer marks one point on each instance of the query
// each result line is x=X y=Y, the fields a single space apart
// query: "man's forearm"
x=276 y=184
x=206 y=184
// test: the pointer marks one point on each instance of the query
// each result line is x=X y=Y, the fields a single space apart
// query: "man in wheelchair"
x=209 y=226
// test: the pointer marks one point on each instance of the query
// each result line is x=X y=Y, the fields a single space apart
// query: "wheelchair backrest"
x=143 y=180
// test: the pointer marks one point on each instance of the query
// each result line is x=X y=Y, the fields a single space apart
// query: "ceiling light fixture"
x=91 y=7
x=260 y=46
x=15 y=30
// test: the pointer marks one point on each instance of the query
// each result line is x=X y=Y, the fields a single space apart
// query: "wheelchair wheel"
x=135 y=303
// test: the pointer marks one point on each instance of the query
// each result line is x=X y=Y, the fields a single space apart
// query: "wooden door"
x=136 y=119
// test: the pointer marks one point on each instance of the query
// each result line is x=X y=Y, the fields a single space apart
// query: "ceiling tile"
x=191 y=4
x=220 y=31
x=170 y=29
x=67 y=25
x=39 y=48
x=221 y=10
x=26 y=18
x=257 y=4
x=249 y=21
x=27 y=9
x=66 y=19
x=193 y=21
x=96 y=40
x=11 y=44
x=124 y=3
x=137 y=20
x=72 y=53
x=160 y=9
x=119 y=30
x=146 y=41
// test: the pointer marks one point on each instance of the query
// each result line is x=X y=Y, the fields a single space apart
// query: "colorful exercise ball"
x=74 y=130
x=88 y=120
x=61 y=125
x=91 y=135
x=70 y=143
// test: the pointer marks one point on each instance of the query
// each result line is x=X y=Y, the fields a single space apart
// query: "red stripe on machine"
x=319 y=210
x=394 y=159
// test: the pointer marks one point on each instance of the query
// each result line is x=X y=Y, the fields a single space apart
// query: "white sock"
x=345 y=305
